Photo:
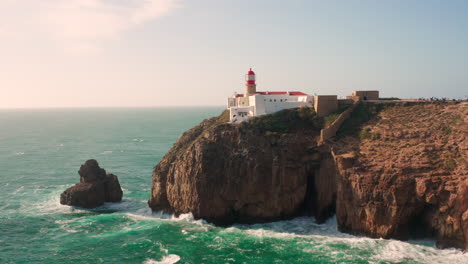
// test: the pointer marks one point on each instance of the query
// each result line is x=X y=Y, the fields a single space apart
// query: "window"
x=270 y=100
x=275 y=100
x=281 y=100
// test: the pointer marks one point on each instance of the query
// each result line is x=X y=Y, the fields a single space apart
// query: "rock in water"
x=94 y=189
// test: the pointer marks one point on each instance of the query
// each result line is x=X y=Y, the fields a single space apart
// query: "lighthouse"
x=255 y=103
x=251 y=87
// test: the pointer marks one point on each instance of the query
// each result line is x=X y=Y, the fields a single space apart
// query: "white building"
x=253 y=103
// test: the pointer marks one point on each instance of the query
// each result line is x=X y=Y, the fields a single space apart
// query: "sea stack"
x=94 y=189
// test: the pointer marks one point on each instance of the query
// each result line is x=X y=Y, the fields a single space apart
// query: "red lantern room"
x=250 y=77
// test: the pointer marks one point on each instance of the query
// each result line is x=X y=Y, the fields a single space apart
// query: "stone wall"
x=366 y=95
x=325 y=104
x=345 y=102
x=330 y=131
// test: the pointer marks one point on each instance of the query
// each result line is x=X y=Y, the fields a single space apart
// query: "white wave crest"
x=327 y=235
x=18 y=190
x=170 y=259
x=297 y=227
x=147 y=214
x=396 y=251
x=52 y=205
x=183 y=217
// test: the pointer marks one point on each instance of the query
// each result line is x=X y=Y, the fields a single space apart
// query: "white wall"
x=259 y=105
x=239 y=114
x=231 y=102
x=274 y=103
x=242 y=101
x=241 y=108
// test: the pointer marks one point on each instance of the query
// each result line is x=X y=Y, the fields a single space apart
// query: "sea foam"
x=327 y=236
x=170 y=259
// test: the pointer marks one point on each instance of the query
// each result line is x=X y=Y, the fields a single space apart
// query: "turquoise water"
x=41 y=151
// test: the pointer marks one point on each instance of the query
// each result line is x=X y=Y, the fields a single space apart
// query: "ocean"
x=41 y=151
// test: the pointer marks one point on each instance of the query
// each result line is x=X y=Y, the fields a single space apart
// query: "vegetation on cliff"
x=361 y=114
x=253 y=172
x=404 y=172
x=396 y=170
x=285 y=121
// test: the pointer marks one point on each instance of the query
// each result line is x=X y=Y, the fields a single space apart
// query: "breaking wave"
x=327 y=236
x=170 y=259
x=317 y=239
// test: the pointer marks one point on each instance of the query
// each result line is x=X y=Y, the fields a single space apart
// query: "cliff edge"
x=395 y=170
x=403 y=172
x=254 y=172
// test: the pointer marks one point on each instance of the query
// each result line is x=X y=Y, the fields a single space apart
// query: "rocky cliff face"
x=405 y=175
x=250 y=173
x=396 y=172
x=94 y=189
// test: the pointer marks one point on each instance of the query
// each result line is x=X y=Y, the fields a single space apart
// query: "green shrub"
x=450 y=164
x=365 y=134
x=357 y=154
x=446 y=130
x=363 y=113
x=375 y=136
x=329 y=119
x=455 y=119
x=286 y=120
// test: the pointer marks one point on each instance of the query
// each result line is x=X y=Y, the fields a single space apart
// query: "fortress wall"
x=366 y=95
x=329 y=132
x=343 y=102
x=325 y=104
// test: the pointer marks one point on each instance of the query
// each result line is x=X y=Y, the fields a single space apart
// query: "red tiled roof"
x=276 y=93
x=297 y=93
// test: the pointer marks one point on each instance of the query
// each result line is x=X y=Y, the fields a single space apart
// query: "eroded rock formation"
x=94 y=189
x=406 y=175
x=227 y=173
x=397 y=172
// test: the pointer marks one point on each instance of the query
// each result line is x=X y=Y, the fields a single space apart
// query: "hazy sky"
x=80 y=53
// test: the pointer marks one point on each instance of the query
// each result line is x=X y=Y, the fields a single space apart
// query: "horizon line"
x=105 y=107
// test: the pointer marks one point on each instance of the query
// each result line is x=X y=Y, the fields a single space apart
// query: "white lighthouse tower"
x=251 y=86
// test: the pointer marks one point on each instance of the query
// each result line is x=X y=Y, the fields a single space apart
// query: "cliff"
x=254 y=172
x=394 y=171
x=403 y=173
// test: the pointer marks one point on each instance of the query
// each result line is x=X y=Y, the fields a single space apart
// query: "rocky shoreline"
x=388 y=173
